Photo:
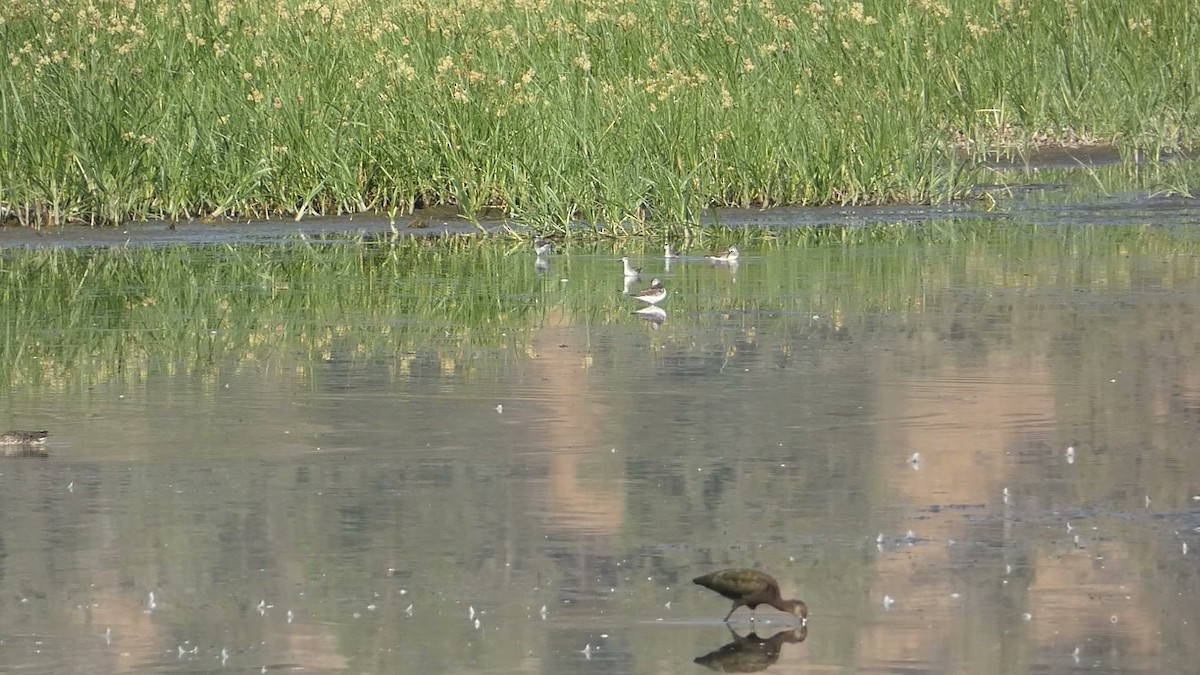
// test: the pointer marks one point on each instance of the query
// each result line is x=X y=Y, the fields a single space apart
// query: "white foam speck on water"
x=888 y=601
x=1070 y=454
x=500 y=408
x=1026 y=616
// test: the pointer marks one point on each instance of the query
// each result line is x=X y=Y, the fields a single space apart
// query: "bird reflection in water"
x=25 y=451
x=655 y=315
x=751 y=653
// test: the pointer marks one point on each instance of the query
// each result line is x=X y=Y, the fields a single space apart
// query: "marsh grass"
x=615 y=113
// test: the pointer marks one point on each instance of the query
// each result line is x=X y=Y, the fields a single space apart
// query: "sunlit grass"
x=613 y=112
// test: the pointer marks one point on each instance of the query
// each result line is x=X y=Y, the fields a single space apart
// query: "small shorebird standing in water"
x=653 y=295
x=728 y=255
x=630 y=271
x=542 y=247
x=668 y=253
x=23 y=444
x=23 y=437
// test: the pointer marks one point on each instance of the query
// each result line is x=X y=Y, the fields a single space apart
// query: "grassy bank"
x=610 y=111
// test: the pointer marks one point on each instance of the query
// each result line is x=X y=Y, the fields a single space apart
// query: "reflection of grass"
x=88 y=311
x=95 y=313
x=322 y=530
x=560 y=110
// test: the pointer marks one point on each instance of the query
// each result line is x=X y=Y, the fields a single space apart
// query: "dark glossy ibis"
x=751 y=588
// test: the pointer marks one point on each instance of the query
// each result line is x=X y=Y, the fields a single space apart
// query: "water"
x=336 y=495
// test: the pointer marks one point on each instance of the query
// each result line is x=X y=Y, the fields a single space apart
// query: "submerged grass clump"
x=611 y=111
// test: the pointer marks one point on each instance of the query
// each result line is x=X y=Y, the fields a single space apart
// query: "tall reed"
x=618 y=112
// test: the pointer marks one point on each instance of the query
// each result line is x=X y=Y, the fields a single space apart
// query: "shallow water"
x=329 y=496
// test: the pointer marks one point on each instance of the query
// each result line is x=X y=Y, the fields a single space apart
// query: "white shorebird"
x=630 y=271
x=668 y=253
x=542 y=247
x=728 y=255
x=653 y=295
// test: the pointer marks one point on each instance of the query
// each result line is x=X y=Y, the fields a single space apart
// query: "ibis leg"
x=735 y=606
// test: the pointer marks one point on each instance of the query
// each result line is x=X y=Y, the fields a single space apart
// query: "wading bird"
x=751 y=588
x=631 y=272
x=23 y=437
x=653 y=295
x=728 y=255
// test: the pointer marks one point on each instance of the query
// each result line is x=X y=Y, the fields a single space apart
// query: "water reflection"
x=329 y=461
x=751 y=653
x=22 y=451
x=654 y=314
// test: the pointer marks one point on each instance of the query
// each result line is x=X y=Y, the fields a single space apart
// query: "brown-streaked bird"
x=23 y=437
x=751 y=588
x=728 y=255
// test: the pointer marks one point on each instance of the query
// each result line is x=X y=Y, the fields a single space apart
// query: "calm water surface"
x=977 y=456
